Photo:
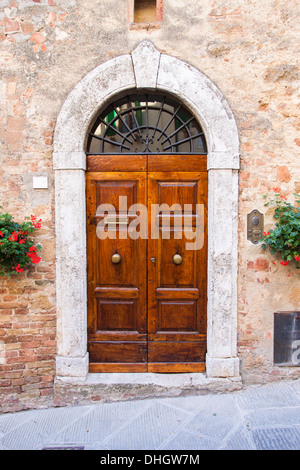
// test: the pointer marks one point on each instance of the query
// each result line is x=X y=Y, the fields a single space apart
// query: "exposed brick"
x=283 y=174
x=27 y=387
x=21 y=311
x=14 y=139
x=5 y=383
x=10 y=305
x=33 y=380
x=38 y=38
x=26 y=27
x=11 y=26
x=5 y=311
x=10 y=390
x=48 y=378
x=15 y=382
x=259 y=264
x=51 y=18
x=15 y=123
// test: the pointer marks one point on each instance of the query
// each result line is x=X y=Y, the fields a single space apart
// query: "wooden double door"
x=147 y=267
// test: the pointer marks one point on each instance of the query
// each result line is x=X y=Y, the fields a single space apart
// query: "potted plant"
x=284 y=238
x=17 y=249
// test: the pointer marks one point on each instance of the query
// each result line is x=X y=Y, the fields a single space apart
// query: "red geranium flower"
x=33 y=256
x=18 y=269
x=13 y=237
x=34 y=223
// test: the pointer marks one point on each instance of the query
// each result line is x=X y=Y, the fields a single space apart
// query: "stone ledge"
x=106 y=388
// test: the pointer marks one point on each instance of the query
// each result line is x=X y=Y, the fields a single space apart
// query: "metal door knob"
x=116 y=258
x=177 y=259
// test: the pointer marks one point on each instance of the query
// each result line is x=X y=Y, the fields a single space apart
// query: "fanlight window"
x=146 y=123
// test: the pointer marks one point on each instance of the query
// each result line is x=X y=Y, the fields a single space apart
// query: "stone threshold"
x=107 y=388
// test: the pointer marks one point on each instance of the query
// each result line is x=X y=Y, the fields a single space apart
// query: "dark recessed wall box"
x=287 y=338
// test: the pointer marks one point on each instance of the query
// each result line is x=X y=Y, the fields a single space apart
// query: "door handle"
x=116 y=258
x=177 y=259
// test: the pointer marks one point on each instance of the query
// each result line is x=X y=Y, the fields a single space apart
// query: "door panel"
x=177 y=163
x=146 y=313
x=116 y=162
x=177 y=292
x=117 y=292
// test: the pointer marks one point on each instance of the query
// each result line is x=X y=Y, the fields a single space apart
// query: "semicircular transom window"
x=146 y=123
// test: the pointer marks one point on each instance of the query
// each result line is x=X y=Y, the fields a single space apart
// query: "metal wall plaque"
x=255 y=226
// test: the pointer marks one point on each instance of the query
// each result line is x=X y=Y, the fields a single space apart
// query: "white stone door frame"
x=147 y=68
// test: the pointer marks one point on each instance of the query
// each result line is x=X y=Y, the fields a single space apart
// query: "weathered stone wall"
x=248 y=49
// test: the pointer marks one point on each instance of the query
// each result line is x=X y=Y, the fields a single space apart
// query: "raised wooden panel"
x=121 y=274
x=117 y=315
x=176 y=336
x=172 y=293
x=177 y=192
x=160 y=351
x=175 y=367
x=108 y=367
x=177 y=163
x=116 y=163
x=108 y=192
x=109 y=292
x=114 y=352
x=176 y=275
x=177 y=316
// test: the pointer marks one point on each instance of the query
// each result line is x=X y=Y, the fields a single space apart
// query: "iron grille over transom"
x=146 y=123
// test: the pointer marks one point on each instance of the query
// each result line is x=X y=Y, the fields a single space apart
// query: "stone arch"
x=146 y=68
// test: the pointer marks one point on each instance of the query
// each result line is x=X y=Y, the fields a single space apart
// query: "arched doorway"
x=146 y=185
x=146 y=68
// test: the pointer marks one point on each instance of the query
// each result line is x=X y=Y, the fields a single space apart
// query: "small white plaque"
x=40 y=182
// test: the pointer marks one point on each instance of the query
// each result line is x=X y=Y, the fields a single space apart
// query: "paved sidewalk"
x=261 y=417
